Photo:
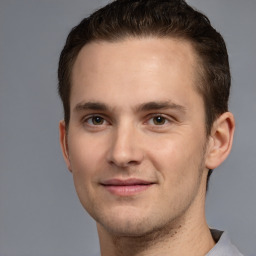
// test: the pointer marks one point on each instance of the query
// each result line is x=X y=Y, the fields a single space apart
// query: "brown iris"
x=97 y=120
x=159 y=120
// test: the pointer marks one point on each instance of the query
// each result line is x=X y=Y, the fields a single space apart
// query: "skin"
x=135 y=114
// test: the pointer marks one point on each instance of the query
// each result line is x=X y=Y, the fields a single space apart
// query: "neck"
x=188 y=236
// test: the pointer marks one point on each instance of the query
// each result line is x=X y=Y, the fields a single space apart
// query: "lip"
x=126 y=187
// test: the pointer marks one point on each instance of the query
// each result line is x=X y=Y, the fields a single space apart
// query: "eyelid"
x=88 y=117
x=168 y=118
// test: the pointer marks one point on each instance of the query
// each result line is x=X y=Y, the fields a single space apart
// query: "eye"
x=96 y=120
x=158 y=120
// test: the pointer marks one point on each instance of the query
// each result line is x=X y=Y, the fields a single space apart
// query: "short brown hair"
x=155 y=18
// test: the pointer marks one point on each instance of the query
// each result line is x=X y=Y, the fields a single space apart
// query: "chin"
x=129 y=229
x=129 y=225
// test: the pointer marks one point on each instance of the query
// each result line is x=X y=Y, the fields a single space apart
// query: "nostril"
x=133 y=162
x=124 y=164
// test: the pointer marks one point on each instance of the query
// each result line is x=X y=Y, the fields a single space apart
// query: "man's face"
x=136 y=139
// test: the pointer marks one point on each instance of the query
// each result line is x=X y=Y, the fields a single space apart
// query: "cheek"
x=175 y=158
x=86 y=159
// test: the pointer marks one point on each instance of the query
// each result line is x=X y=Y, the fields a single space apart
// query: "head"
x=155 y=18
x=143 y=28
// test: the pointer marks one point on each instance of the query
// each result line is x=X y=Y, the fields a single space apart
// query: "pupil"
x=159 y=120
x=97 y=120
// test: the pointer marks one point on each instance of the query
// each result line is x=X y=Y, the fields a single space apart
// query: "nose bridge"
x=125 y=148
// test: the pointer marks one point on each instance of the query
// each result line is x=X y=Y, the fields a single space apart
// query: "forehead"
x=136 y=51
x=139 y=68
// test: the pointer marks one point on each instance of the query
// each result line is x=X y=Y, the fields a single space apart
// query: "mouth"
x=126 y=187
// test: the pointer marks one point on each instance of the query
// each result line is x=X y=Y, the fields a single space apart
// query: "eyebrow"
x=98 y=106
x=148 y=106
x=161 y=105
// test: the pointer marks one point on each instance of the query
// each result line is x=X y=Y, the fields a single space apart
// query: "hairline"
x=200 y=74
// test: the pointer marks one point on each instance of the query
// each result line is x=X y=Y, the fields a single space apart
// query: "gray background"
x=40 y=214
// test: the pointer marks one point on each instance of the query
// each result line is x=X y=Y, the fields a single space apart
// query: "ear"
x=64 y=143
x=220 y=141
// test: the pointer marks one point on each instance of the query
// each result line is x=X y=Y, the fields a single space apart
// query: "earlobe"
x=64 y=144
x=220 y=141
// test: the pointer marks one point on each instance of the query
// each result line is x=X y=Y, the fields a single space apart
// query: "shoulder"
x=223 y=246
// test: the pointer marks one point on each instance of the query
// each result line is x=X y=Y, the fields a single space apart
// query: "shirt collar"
x=223 y=246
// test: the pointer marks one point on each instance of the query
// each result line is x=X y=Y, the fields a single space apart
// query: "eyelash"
x=149 y=120
x=86 y=120
x=165 y=120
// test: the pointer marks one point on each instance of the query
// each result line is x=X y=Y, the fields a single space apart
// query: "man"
x=145 y=87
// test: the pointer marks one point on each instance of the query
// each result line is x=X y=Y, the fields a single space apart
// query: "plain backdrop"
x=40 y=214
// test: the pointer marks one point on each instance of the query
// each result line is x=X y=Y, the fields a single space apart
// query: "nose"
x=125 y=148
